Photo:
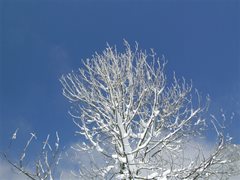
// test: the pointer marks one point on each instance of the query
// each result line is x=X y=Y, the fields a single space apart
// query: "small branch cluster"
x=44 y=164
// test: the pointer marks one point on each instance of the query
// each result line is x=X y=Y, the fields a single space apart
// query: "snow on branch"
x=45 y=163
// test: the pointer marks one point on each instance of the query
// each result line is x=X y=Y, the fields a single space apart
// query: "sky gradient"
x=40 y=41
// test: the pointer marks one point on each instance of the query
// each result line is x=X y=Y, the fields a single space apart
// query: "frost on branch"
x=128 y=113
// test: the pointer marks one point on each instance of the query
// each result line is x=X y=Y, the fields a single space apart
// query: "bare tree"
x=140 y=124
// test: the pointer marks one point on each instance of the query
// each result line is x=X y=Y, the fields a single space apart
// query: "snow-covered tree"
x=140 y=124
x=134 y=124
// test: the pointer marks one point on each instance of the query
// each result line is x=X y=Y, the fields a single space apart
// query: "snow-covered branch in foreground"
x=45 y=163
x=137 y=121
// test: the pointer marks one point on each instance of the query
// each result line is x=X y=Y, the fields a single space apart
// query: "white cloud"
x=7 y=172
x=74 y=159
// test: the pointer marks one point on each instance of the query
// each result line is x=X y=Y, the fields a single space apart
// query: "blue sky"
x=40 y=41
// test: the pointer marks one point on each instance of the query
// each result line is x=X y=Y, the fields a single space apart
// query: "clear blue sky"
x=40 y=41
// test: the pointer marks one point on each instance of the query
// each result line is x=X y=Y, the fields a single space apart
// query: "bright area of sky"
x=40 y=41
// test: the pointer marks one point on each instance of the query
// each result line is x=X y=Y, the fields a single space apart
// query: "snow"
x=156 y=112
x=14 y=136
x=109 y=168
x=198 y=122
x=153 y=175
x=144 y=124
x=98 y=148
x=122 y=159
x=121 y=176
x=114 y=156
x=164 y=176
